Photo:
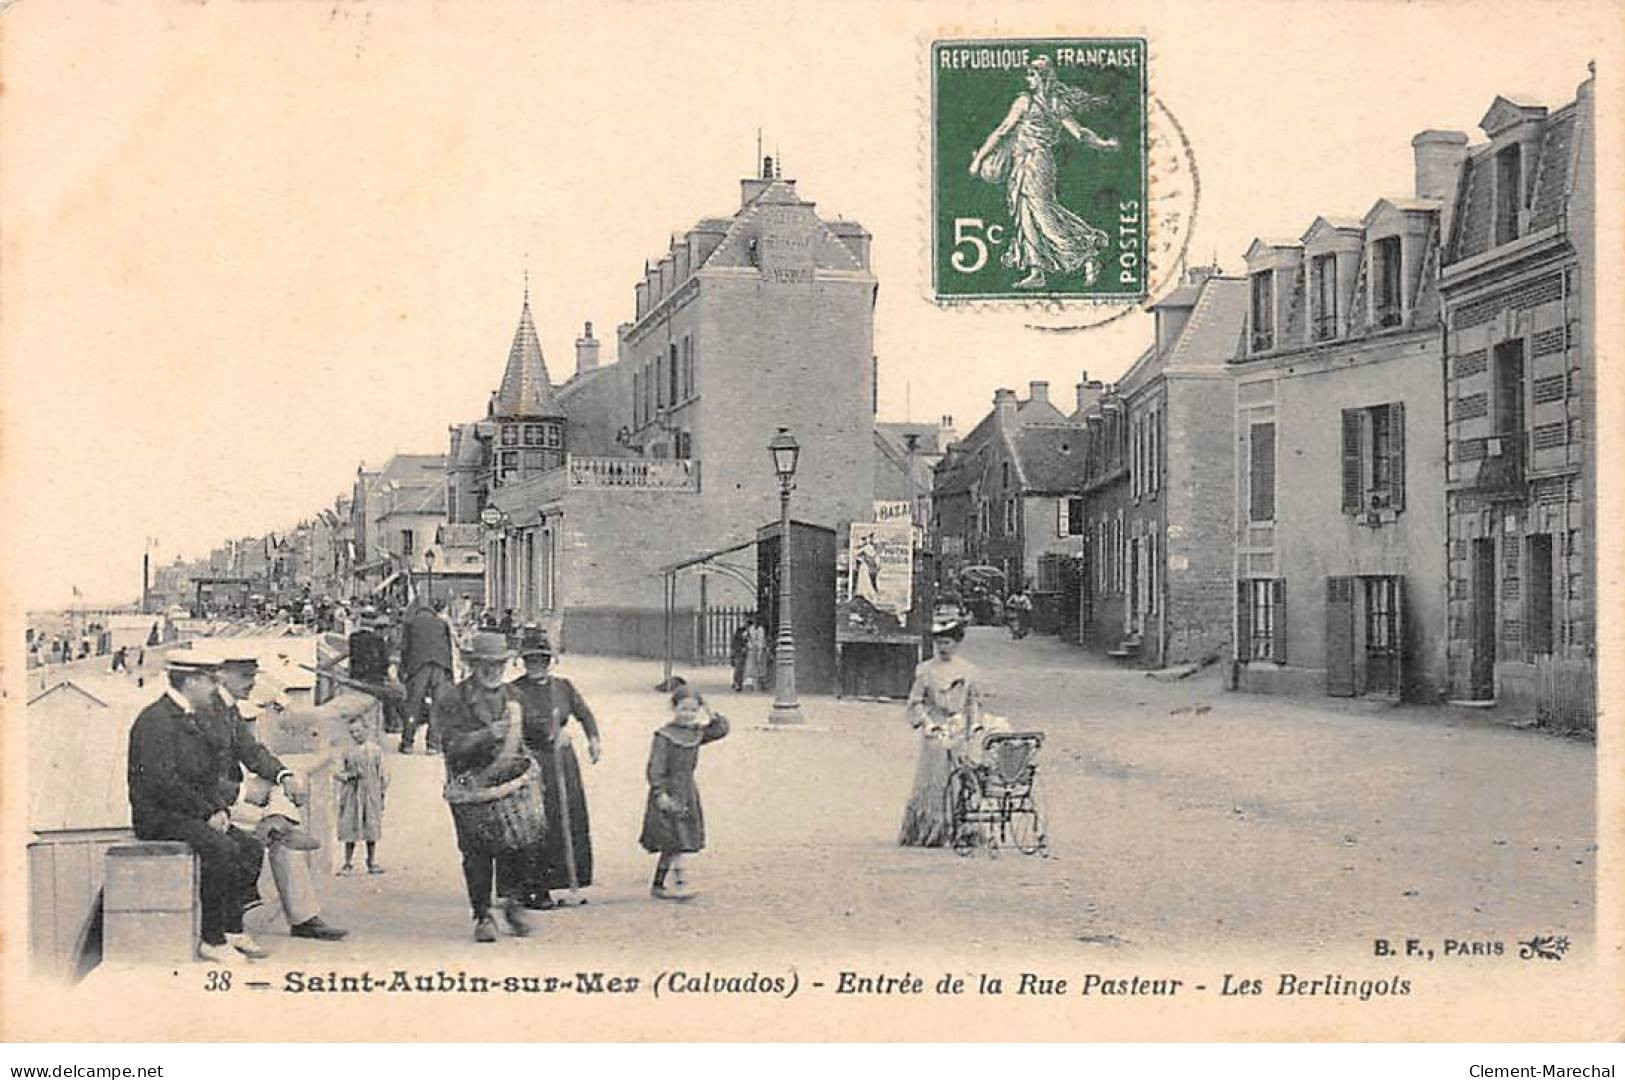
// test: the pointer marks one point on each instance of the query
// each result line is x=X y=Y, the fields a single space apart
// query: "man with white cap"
x=176 y=794
x=273 y=822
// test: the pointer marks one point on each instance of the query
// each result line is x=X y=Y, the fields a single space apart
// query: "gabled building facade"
x=1519 y=294
x=747 y=323
x=1339 y=503
x=1006 y=495
x=1156 y=511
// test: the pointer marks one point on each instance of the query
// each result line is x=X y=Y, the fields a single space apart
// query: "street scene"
x=643 y=584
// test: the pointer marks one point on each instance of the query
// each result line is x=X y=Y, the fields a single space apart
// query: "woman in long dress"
x=756 y=657
x=1046 y=237
x=563 y=858
x=944 y=705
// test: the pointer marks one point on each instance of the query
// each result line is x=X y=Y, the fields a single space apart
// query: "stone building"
x=1155 y=511
x=906 y=454
x=747 y=323
x=1006 y=495
x=1519 y=294
x=1339 y=502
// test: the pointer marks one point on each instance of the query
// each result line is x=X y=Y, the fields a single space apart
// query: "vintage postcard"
x=853 y=522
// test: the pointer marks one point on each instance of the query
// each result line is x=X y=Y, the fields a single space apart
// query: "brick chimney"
x=1004 y=404
x=1088 y=391
x=1439 y=157
x=1038 y=390
x=586 y=350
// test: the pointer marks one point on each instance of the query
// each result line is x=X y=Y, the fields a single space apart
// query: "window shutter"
x=1352 y=465
x=1278 y=602
x=1060 y=517
x=1396 y=456
x=1340 y=636
x=1261 y=454
x=1244 y=622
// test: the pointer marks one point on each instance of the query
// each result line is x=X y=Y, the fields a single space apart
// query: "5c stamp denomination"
x=1039 y=169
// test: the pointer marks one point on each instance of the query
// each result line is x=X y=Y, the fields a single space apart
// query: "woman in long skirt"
x=943 y=705
x=563 y=859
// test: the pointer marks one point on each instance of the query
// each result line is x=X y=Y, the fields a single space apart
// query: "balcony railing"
x=634 y=474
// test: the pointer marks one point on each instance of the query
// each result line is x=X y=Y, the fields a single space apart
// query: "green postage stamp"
x=1038 y=177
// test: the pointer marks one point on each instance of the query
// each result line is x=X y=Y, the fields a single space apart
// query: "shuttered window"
x=1373 y=443
x=1261 y=486
x=1261 y=625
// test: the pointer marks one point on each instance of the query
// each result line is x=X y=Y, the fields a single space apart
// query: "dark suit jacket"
x=236 y=745
x=369 y=656
x=425 y=639
x=173 y=767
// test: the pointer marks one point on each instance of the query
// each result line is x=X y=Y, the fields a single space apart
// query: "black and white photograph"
x=825 y=523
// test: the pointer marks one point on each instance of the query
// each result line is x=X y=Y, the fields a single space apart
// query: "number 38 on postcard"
x=1038 y=169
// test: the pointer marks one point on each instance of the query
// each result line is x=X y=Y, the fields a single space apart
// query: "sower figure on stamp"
x=239 y=749
x=480 y=728
x=426 y=667
x=563 y=860
x=176 y=793
x=1047 y=238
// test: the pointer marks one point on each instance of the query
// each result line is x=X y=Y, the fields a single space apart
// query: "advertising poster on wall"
x=874 y=581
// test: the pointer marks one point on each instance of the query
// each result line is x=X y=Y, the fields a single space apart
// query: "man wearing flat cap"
x=563 y=859
x=477 y=723
x=239 y=748
x=176 y=793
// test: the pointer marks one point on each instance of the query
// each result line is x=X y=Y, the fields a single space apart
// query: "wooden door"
x=1340 y=636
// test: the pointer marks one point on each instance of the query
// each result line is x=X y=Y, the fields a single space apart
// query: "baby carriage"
x=991 y=801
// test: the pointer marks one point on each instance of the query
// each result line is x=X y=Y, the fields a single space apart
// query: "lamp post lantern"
x=786 y=709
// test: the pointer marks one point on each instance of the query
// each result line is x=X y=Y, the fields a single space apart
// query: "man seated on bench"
x=239 y=749
x=176 y=794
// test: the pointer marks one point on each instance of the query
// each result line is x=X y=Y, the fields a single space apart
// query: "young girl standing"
x=362 y=783
x=673 y=823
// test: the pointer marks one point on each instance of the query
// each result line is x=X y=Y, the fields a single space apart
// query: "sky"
x=247 y=247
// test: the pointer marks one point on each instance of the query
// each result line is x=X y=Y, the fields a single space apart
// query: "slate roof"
x=1474 y=228
x=526 y=390
x=896 y=432
x=1051 y=457
x=1209 y=334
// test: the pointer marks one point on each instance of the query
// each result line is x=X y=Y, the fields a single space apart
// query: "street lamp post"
x=786 y=709
x=428 y=560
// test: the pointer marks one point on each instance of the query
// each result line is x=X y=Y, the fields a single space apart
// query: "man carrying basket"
x=494 y=787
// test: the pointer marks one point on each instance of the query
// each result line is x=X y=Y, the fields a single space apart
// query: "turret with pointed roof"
x=526 y=390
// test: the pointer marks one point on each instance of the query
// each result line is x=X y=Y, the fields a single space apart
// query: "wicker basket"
x=504 y=817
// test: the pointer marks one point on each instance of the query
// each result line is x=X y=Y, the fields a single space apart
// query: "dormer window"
x=1263 y=311
x=1324 y=278
x=510 y=434
x=1508 y=193
x=1387 y=281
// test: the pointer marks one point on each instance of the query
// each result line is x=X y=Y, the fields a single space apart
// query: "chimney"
x=1004 y=404
x=1439 y=157
x=751 y=187
x=1088 y=392
x=1038 y=390
x=586 y=350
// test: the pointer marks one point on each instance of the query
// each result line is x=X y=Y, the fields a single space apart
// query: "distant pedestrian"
x=152 y=636
x=738 y=649
x=756 y=657
x=426 y=667
x=119 y=661
x=673 y=822
x=362 y=785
